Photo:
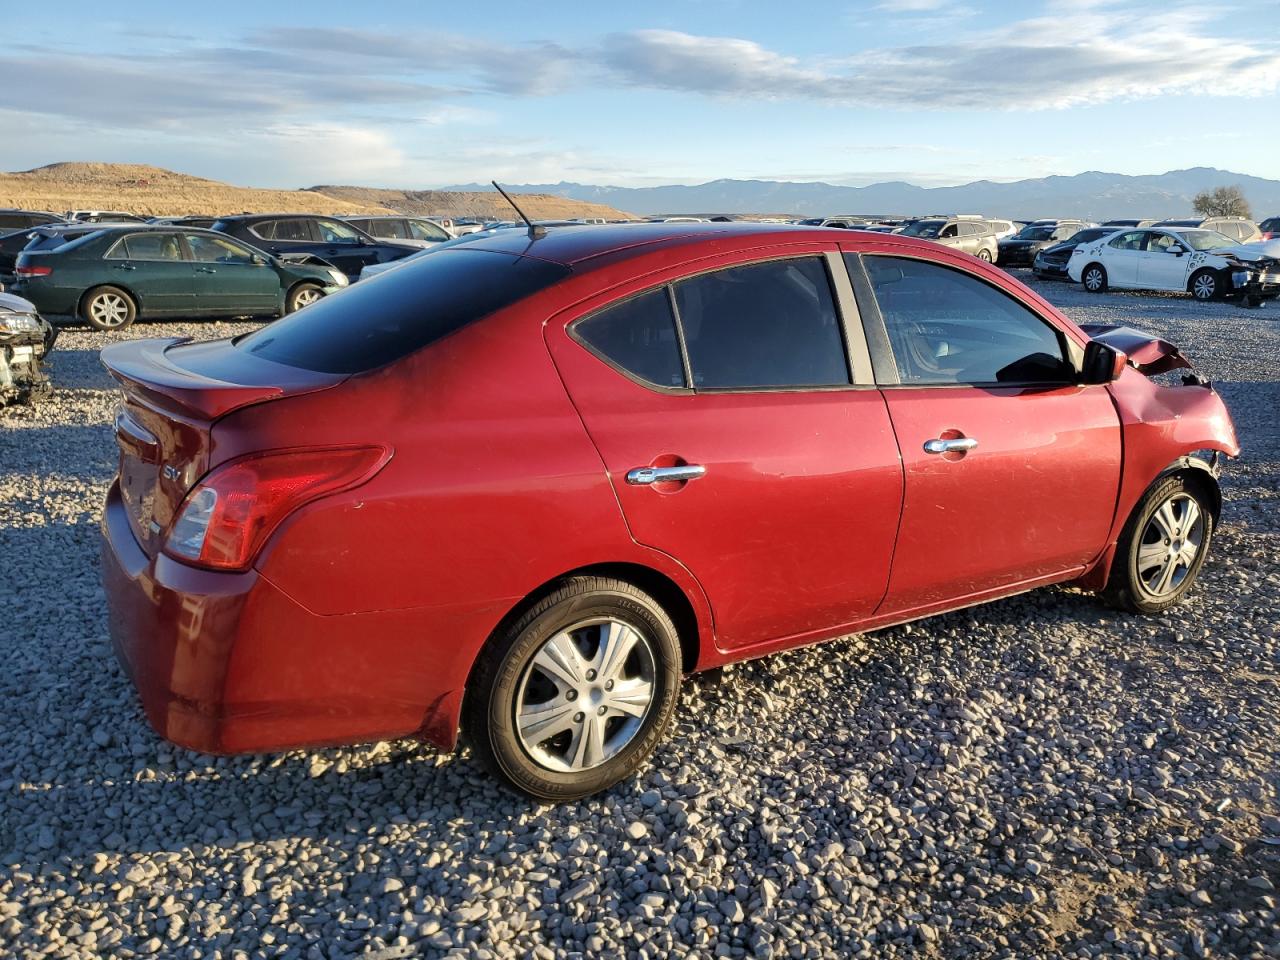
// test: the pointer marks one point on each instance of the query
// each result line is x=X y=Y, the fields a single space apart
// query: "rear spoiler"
x=1147 y=353
x=146 y=367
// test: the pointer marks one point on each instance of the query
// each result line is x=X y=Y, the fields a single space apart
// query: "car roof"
x=570 y=245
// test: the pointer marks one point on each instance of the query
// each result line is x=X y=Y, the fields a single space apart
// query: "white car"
x=1203 y=263
x=1003 y=229
x=408 y=231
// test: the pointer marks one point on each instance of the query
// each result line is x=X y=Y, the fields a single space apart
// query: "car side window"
x=331 y=231
x=950 y=230
x=638 y=336
x=1129 y=241
x=150 y=246
x=425 y=230
x=1162 y=243
x=292 y=230
x=948 y=327
x=266 y=230
x=770 y=324
x=386 y=229
x=208 y=249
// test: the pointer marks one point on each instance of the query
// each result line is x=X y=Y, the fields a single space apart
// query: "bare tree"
x=1222 y=202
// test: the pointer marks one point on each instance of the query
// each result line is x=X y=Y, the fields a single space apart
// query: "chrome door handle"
x=125 y=266
x=959 y=445
x=205 y=270
x=645 y=475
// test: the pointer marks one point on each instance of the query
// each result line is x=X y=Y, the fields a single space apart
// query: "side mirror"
x=1102 y=363
x=258 y=260
x=1177 y=250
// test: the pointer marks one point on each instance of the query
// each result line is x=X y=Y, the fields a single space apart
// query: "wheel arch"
x=1199 y=468
x=133 y=295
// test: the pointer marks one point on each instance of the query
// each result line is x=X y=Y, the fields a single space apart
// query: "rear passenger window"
x=149 y=246
x=770 y=324
x=947 y=327
x=639 y=336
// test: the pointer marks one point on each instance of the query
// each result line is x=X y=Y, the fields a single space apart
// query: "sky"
x=425 y=94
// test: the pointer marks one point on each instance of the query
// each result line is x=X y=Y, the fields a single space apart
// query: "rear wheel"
x=577 y=693
x=1162 y=548
x=1094 y=278
x=984 y=254
x=301 y=296
x=1205 y=284
x=108 y=308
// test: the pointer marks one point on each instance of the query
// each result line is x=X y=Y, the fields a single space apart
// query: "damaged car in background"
x=25 y=340
x=1205 y=264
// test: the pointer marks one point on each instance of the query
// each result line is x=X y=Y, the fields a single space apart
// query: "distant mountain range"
x=1091 y=195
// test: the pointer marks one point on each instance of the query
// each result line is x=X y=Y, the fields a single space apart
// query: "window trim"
x=882 y=350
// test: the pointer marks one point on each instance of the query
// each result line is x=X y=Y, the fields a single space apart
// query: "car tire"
x=1094 y=278
x=304 y=294
x=1205 y=284
x=108 y=308
x=984 y=254
x=1162 y=547
x=520 y=713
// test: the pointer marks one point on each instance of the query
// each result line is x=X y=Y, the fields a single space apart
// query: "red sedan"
x=520 y=487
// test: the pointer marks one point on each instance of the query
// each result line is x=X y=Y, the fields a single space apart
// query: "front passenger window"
x=947 y=327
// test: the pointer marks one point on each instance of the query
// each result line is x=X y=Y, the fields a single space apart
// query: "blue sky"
x=419 y=94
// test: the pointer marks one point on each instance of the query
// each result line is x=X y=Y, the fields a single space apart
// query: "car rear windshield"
x=390 y=316
x=924 y=228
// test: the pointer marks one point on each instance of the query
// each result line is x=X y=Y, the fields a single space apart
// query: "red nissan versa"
x=520 y=487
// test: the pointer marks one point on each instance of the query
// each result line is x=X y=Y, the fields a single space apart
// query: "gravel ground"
x=1038 y=777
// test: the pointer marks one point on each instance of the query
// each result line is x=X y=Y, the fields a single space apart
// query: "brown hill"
x=444 y=203
x=141 y=189
x=153 y=191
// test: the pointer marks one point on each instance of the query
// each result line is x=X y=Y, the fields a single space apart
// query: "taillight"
x=32 y=271
x=228 y=516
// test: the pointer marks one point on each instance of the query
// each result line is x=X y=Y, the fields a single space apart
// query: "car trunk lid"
x=173 y=391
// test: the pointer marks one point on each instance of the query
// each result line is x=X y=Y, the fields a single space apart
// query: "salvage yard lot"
x=1038 y=777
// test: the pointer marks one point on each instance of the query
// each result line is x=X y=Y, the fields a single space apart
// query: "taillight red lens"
x=228 y=516
x=32 y=271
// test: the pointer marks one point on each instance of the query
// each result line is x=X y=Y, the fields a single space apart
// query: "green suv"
x=110 y=277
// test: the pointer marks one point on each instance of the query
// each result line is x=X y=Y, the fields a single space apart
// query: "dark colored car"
x=1051 y=262
x=46 y=238
x=1132 y=224
x=347 y=247
x=20 y=219
x=1020 y=250
x=25 y=340
x=1270 y=228
x=522 y=485
x=114 y=273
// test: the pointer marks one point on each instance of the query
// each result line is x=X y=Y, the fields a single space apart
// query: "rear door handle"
x=205 y=270
x=125 y=266
x=959 y=445
x=647 y=475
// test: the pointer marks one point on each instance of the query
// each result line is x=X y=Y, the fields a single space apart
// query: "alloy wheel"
x=1204 y=287
x=585 y=694
x=1171 y=542
x=109 y=309
x=1093 y=279
x=305 y=297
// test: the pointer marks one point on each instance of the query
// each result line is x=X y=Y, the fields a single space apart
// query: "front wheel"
x=304 y=294
x=576 y=694
x=1205 y=285
x=1094 y=278
x=1162 y=548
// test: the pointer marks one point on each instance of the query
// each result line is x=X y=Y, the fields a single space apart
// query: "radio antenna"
x=534 y=231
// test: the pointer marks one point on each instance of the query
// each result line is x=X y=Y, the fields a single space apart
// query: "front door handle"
x=959 y=445
x=646 y=475
x=205 y=270
x=125 y=266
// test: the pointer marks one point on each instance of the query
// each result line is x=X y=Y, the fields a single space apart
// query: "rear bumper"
x=228 y=663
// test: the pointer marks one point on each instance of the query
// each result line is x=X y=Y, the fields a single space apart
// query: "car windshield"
x=389 y=317
x=1035 y=233
x=924 y=228
x=1206 y=240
